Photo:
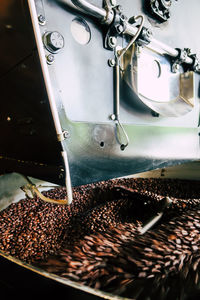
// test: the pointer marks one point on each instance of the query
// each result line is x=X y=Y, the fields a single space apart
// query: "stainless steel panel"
x=78 y=84
x=149 y=148
x=83 y=89
x=85 y=69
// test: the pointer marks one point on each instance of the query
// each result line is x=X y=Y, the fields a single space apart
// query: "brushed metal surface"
x=81 y=85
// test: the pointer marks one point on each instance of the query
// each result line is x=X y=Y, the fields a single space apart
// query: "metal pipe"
x=91 y=9
x=117 y=89
x=67 y=177
x=102 y=14
x=156 y=45
x=70 y=4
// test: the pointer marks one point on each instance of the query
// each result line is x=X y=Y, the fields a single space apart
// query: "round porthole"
x=80 y=31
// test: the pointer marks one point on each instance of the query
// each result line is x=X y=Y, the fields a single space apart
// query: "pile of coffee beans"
x=96 y=240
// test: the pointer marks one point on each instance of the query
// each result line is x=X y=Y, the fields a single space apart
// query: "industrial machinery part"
x=92 y=91
x=160 y=9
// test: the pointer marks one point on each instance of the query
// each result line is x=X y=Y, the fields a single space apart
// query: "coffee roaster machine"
x=93 y=90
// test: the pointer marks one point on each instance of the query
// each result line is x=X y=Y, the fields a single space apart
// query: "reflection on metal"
x=187 y=88
x=150 y=77
x=90 y=8
x=80 y=31
x=166 y=202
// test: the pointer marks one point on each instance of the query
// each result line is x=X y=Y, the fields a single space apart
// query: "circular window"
x=80 y=31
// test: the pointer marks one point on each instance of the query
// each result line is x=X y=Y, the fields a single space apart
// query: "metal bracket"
x=117 y=28
x=160 y=9
x=174 y=99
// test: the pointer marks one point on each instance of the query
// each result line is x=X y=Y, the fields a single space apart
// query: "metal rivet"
x=50 y=59
x=112 y=41
x=41 y=20
x=111 y=62
x=112 y=117
x=66 y=134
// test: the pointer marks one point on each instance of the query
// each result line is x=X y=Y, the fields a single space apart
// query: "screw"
x=111 y=62
x=112 y=117
x=50 y=59
x=41 y=19
x=112 y=41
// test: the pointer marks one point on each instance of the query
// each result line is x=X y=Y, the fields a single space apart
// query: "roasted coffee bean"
x=96 y=241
